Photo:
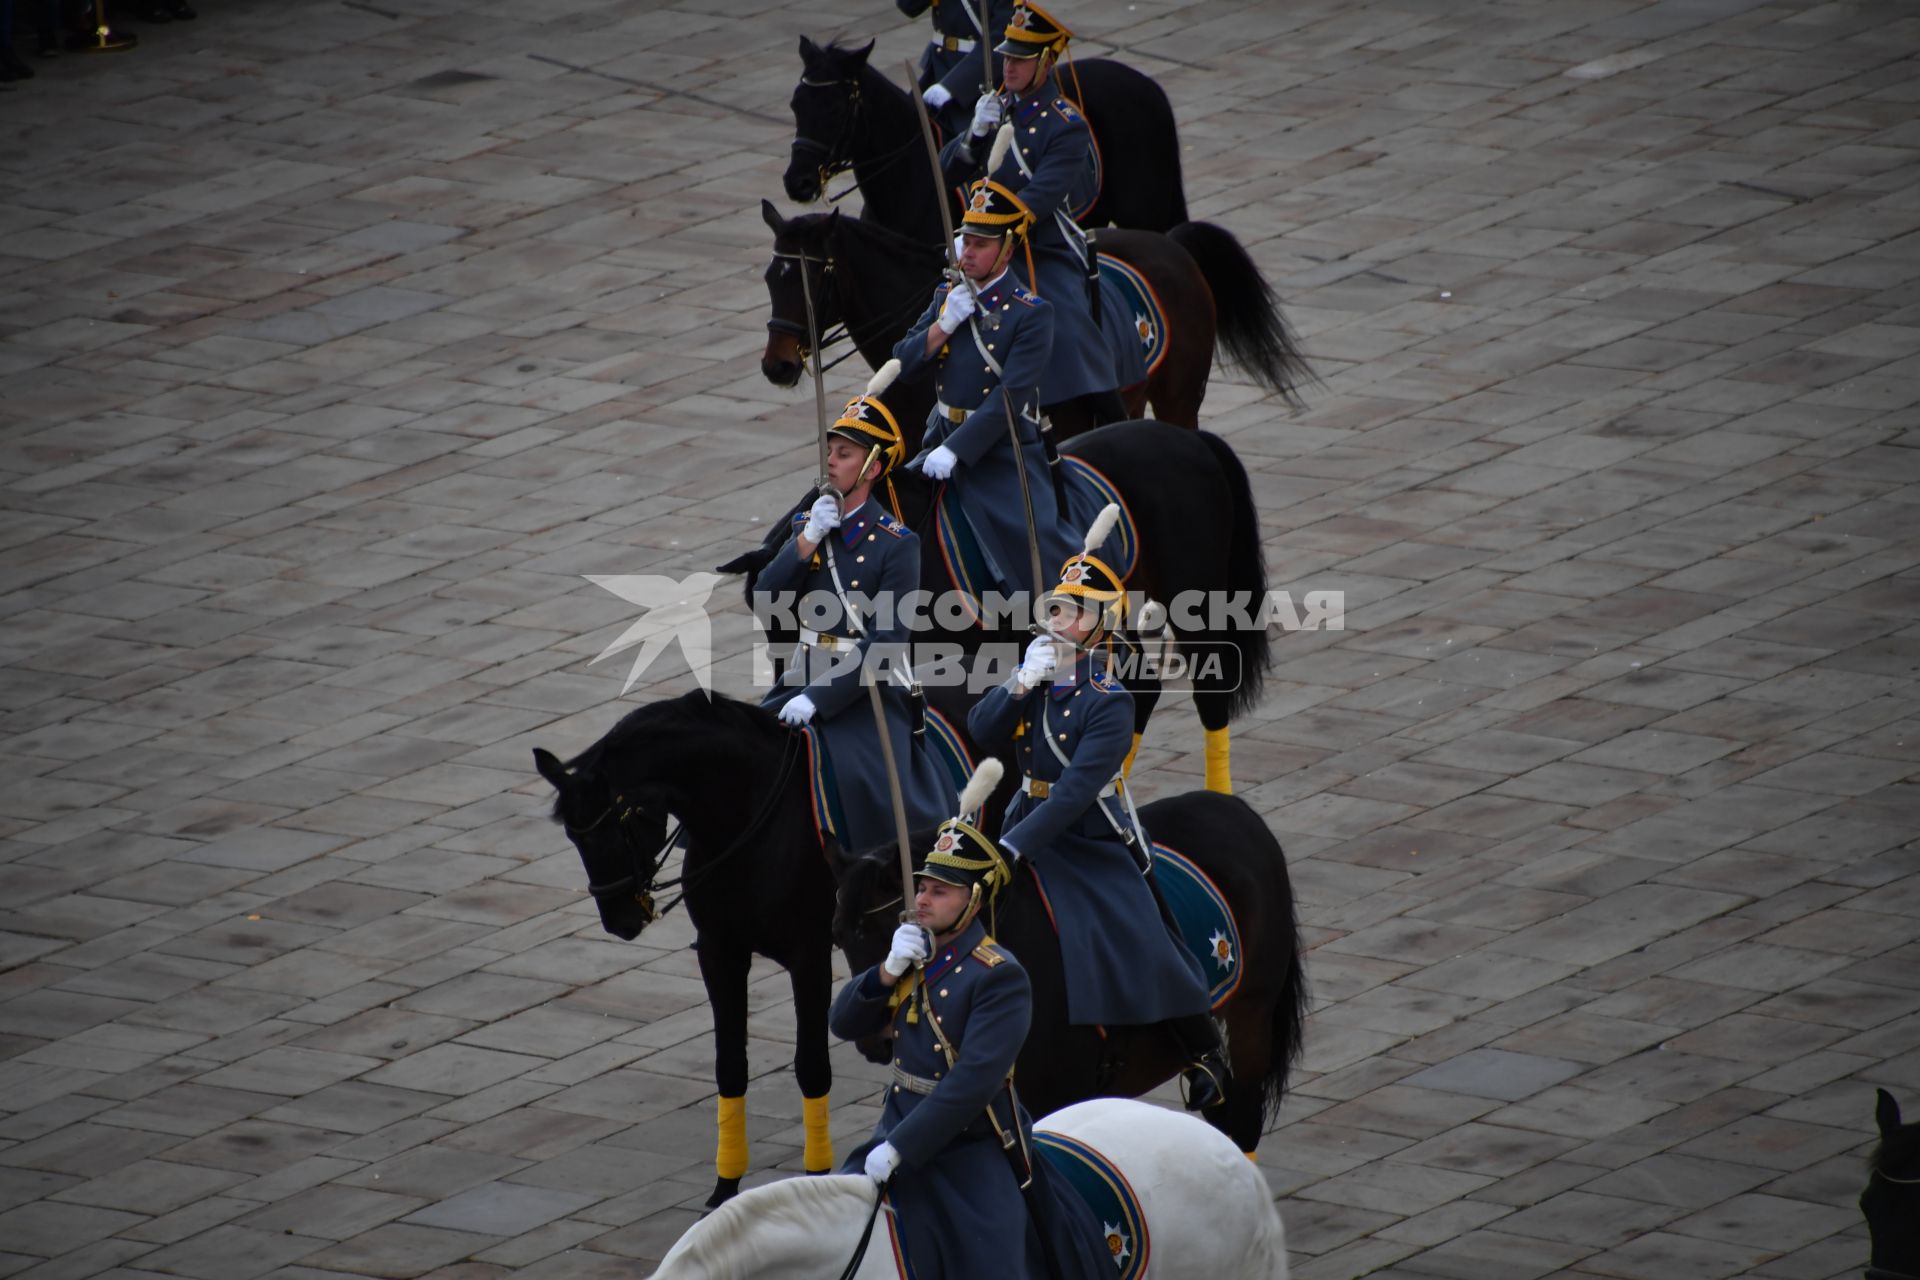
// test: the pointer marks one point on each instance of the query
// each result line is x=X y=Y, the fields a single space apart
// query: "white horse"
x=1209 y=1213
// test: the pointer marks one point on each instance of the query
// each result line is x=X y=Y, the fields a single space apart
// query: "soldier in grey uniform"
x=950 y=69
x=1071 y=722
x=954 y=1147
x=980 y=336
x=1052 y=166
x=851 y=555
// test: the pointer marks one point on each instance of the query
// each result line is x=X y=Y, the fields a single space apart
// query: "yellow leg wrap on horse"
x=818 y=1155
x=1126 y=766
x=1219 y=775
x=731 y=1158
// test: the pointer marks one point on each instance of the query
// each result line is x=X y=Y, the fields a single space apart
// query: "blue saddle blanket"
x=828 y=817
x=1087 y=493
x=1138 y=305
x=1105 y=1189
x=1206 y=922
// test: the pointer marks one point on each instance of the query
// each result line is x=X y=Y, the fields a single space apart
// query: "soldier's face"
x=1071 y=622
x=845 y=461
x=939 y=905
x=1021 y=74
x=979 y=255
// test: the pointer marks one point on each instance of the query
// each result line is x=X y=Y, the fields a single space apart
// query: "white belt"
x=819 y=640
x=953 y=44
x=951 y=414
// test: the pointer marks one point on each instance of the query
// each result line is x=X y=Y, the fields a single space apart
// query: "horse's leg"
x=1250 y=1054
x=723 y=968
x=1213 y=707
x=812 y=982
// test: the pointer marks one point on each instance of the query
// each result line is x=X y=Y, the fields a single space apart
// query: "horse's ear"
x=809 y=51
x=771 y=216
x=550 y=768
x=859 y=55
x=1887 y=1113
x=833 y=220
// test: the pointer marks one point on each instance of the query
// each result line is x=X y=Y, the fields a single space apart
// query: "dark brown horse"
x=874 y=283
x=1891 y=1202
x=846 y=115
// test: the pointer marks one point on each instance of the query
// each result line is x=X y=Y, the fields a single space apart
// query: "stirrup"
x=1188 y=1085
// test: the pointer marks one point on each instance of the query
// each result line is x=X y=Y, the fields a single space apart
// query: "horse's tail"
x=1290 y=1011
x=1246 y=571
x=1252 y=330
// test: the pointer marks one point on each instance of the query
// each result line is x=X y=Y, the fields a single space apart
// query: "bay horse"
x=846 y=115
x=1198 y=533
x=875 y=281
x=1062 y=1064
x=1891 y=1202
x=1206 y=1213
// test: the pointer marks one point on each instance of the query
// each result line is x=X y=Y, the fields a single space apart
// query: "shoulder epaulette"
x=890 y=525
x=1107 y=682
x=989 y=954
x=1022 y=295
x=1066 y=109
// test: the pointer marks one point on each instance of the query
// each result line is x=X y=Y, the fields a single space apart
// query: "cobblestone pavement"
x=338 y=340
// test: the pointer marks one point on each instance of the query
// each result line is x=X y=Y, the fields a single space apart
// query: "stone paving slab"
x=337 y=342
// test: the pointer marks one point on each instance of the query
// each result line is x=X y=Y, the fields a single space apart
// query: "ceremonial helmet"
x=994 y=211
x=961 y=854
x=1033 y=32
x=867 y=422
x=1087 y=580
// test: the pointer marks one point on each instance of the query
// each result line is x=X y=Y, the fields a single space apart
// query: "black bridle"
x=642 y=885
x=835 y=158
x=841 y=332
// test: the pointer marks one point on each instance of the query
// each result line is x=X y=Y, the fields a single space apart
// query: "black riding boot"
x=1207 y=1074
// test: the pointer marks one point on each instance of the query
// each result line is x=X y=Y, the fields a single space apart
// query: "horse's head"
x=826 y=107
x=864 y=917
x=1891 y=1202
x=620 y=834
x=802 y=262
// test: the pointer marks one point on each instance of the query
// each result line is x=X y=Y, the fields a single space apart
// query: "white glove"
x=1042 y=657
x=881 y=1162
x=797 y=710
x=939 y=464
x=824 y=515
x=911 y=946
x=959 y=245
x=959 y=305
x=986 y=115
x=936 y=97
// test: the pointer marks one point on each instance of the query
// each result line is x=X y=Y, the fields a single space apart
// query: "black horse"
x=755 y=876
x=846 y=116
x=1891 y=1201
x=1198 y=531
x=875 y=281
x=1062 y=1064
x=758 y=881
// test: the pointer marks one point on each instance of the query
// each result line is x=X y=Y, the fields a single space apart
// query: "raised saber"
x=901 y=836
x=961 y=282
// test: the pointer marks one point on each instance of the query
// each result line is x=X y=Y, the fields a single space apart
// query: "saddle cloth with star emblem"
x=1088 y=492
x=1139 y=304
x=829 y=818
x=1105 y=1189
x=1206 y=924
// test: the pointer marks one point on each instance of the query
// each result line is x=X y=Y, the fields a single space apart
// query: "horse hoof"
x=724 y=1189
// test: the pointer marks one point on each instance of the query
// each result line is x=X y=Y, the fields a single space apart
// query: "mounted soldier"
x=989 y=341
x=1053 y=166
x=852 y=566
x=954 y=1147
x=952 y=69
x=1071 y=722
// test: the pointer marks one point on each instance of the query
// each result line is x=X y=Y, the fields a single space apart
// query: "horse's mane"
x=884 y=237
x=691 y=712
x=717 y=1243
